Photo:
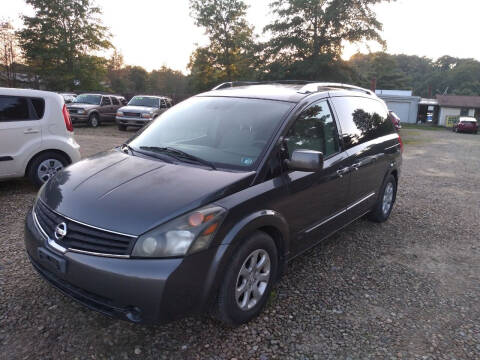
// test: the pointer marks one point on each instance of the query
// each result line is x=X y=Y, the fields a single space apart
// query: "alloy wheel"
x=387 y=198
x=252 y=279
x=48 y=168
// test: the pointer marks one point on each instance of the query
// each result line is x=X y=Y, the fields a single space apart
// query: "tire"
x=122 y=127
x=94 y=120
x=228 y=308
x=45 y=166
x=382 y=209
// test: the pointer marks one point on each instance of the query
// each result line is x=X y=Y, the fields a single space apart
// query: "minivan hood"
x=141 y=109
x=131 y=195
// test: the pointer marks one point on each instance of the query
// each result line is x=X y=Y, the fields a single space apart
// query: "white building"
x=402 y=103
x=453 y=106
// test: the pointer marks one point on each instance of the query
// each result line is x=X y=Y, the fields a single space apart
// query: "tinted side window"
x=13 y=108
x=163 y=104
x=106 y=100
x=39 y=106
x=362 y=119
x=314 y=130
x=115 y=101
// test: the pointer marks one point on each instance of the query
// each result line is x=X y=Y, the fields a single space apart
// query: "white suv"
x=36 y=135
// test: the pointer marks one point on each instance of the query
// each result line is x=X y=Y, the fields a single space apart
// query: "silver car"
x=140 y=110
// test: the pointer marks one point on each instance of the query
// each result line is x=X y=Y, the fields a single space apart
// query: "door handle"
x=342 y=172
x=356 y=166
x=31 y=131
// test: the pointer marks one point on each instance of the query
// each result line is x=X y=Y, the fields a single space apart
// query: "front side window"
x=106 y=101
x=14 y=108
x=362 y=119
x=314 y=130
x=230 y=132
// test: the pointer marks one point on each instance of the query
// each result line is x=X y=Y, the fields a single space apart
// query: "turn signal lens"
x=211 y=229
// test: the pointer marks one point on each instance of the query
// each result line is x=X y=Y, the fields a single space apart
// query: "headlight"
x=119 y=113
x=147 y=115
x=186 y=234
x=81 y=111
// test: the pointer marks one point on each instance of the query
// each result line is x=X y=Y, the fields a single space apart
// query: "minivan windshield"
x=88 y=99
x=228 y=132
x=145 y=101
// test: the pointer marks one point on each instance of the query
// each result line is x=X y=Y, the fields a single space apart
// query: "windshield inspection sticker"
x=247 y=161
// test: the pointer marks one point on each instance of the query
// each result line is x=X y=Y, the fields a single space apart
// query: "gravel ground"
x=405 y=289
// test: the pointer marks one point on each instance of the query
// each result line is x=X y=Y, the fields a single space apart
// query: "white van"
x=36 y=135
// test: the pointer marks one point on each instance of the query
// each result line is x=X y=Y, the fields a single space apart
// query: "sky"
x=153 y=33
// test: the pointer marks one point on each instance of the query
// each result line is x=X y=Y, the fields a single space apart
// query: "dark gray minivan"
x=202 y=210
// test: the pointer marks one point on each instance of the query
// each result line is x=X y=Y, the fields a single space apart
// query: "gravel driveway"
x=408 y=288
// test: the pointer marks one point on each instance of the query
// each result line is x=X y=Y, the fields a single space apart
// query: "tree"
x=59 y=40
x=9 y=52
x=166 y=81
x=231 y=48
x=316 y=30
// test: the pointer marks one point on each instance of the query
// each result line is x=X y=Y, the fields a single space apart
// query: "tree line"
x=60 y=48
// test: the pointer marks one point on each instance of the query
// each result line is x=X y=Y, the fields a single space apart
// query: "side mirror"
x=306 y=160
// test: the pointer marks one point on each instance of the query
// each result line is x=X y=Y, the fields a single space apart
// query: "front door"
x=316 y=204
x=19 y=128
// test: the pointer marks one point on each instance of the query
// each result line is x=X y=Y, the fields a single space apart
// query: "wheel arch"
x=267 y=221
x=56 y=151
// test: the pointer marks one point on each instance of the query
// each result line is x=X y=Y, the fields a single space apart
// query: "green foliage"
x=313 y=32
x=59 y=39
x=230 y=53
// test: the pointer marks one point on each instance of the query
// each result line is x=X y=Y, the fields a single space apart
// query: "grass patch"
x=423 y=127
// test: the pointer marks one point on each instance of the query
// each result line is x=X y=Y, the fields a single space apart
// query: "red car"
x=466 y=124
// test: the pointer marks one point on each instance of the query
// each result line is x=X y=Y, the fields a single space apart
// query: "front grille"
x=132 y=114
x=82 y=237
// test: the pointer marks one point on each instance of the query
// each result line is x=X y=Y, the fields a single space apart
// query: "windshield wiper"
x=179 y=154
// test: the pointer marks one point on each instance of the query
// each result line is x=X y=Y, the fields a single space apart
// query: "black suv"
x=202 y=209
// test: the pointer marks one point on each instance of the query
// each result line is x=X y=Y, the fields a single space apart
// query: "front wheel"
x=382 y=209
x=248 y=280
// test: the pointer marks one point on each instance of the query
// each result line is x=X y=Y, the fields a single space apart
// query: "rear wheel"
x=382 y=209
x=94 y=120
x=248 y=280
x=45 y=166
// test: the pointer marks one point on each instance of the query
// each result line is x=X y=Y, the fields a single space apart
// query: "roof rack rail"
x=242 y=83
x=234 y=83
x=316 y=86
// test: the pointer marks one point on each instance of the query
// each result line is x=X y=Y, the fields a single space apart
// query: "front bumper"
x=131 y=121
x=76 y=118
x=138 y=290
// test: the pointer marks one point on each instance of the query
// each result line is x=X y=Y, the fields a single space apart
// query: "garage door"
x=402 y=109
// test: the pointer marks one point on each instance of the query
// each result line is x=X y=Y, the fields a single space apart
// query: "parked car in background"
x=140 y=110
x=93 y=109
x=68 y=97
x=36 y=135
x=202 y=210
x=395 y=120
x=466 y=124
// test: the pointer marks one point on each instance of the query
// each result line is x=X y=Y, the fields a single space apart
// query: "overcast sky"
x=152 y=33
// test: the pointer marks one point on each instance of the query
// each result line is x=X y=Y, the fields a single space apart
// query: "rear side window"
x=314 y=130
x=14 y=108
x=39 y=106
x=362 y=119
x=115 y=101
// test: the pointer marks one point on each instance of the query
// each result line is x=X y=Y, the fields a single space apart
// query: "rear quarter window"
x=362 y=119
x=39 y=106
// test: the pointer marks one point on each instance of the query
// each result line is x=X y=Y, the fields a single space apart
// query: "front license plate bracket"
x=53 y=261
